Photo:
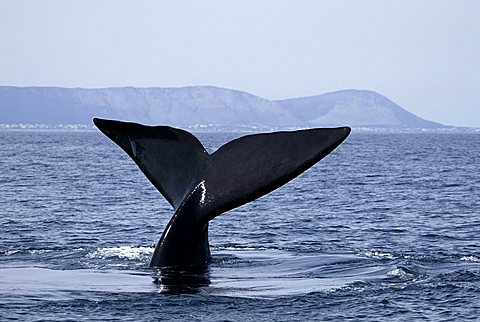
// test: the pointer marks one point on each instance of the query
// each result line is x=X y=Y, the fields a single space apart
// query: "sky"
x=423 y=55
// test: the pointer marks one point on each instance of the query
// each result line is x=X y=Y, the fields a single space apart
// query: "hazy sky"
x=424 y=55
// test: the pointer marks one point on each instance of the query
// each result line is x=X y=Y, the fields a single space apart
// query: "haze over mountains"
x=202 y=105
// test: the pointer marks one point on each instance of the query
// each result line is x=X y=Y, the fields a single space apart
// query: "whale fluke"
x=200 y=186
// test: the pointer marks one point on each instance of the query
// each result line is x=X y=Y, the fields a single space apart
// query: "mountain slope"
x=355 y=108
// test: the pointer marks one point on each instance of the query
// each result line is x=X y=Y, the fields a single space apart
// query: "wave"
x=400 y=272
x=9 y=252
x=376 y=254
x=418 y=257
x=472 y=259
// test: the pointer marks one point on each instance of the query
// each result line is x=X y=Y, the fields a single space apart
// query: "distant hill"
x=201 y=105
x=356 y=108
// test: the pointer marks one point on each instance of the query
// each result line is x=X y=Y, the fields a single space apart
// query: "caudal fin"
x=254 y=165
x=172 y=159
x=238 y=172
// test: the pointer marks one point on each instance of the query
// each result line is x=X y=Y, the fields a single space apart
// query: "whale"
x=201 y=186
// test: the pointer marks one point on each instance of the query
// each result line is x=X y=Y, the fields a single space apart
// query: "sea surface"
x=387 y=227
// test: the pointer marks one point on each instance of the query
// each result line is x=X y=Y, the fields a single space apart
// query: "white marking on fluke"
x=133 y=146
x=204 y=192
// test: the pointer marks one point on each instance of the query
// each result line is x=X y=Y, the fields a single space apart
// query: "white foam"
x=399 y=272
x=37 y=251
x=9 y=252
x=471 y=258
x=379 y=255
x=126 y=252
x=40 y=251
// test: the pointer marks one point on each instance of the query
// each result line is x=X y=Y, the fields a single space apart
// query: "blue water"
x=385 y=228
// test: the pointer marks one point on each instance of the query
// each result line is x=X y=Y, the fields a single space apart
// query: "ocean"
x=384 y=228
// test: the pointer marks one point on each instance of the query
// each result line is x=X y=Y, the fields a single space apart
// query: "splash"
x=123 y=252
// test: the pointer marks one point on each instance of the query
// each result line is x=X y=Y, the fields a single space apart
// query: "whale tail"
x=201 y=186
x=172 y=159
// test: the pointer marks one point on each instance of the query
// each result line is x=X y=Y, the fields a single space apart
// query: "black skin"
x=200 y=186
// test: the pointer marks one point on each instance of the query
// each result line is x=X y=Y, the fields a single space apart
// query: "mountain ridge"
x=202 y=105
